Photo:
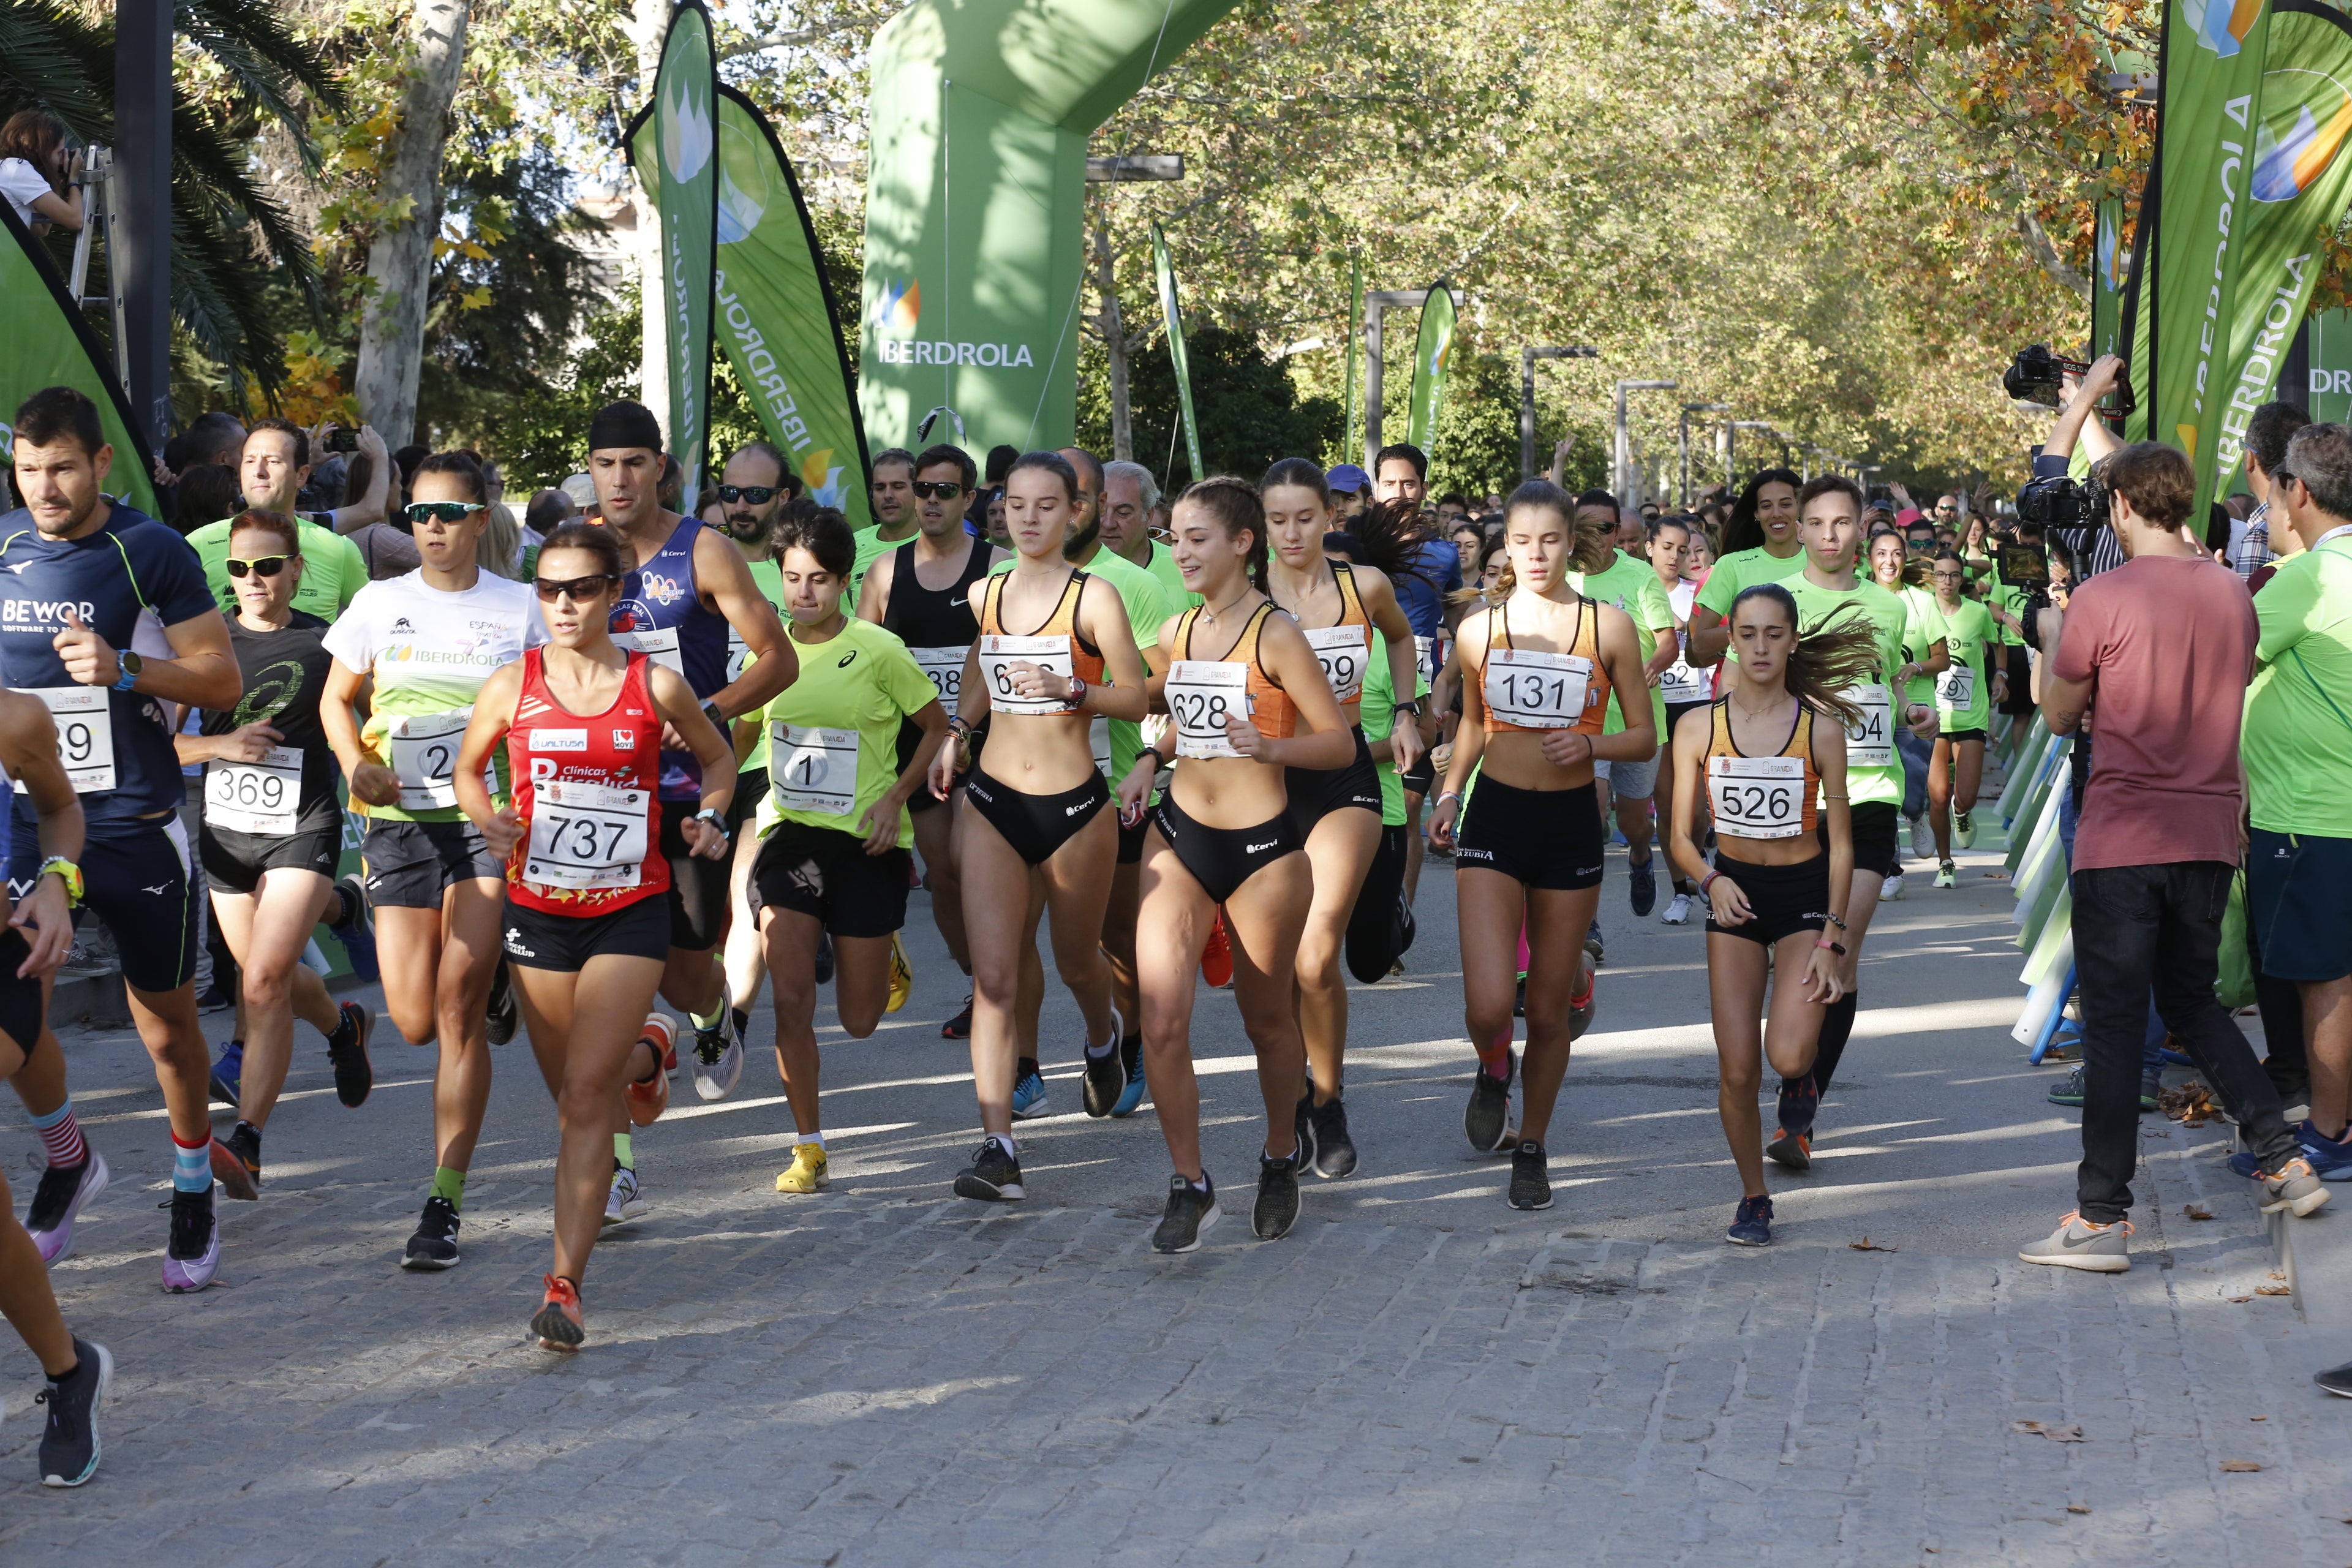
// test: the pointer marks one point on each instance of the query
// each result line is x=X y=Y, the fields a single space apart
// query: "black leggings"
x=1380 y=927
x=1035 y=824
x=1221 y=859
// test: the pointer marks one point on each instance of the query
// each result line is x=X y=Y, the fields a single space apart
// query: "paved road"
x=886 y=1374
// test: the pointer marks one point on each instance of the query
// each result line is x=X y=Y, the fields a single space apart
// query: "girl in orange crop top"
x=1541 y=689
x=1061 y=627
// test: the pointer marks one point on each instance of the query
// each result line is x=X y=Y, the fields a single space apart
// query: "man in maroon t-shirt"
x=2157 y=651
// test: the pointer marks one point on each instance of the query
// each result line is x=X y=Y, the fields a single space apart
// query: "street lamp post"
x=1527 y=357
x=1621 y=472
x=1689 y=409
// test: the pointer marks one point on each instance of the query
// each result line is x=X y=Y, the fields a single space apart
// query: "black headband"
x=625 y=425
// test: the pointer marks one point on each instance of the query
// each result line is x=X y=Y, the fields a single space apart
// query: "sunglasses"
x=264 y=567
x=758 y=495
x=937 y=489
x=580 y=588
x=440 y=511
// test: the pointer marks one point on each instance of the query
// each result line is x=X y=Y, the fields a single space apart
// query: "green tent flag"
x=2298 y=185
x=1430 y=353
x=672 y=141
x=2111 y=259
x=1353 y=442
x=1174 y=311
x=47 y=344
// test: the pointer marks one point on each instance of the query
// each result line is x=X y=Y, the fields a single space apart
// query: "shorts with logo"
x=237 y=861
x=1418 y=778
x=1787 y=898
x=1544 y=838
x=21 y=1013
x=751 y=789
x=698 y=888
x=2299 y=895
x=1315 y=794
x=1629 y=781
x=1221 y=859
x=536 y=939
x=409 y=865
x=1874 y=825
x=139 y=876
x=826 y=874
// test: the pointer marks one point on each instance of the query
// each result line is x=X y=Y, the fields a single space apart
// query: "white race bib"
x=1758 y=797
x=259 y=798
x=587 y=835
x=1535 y=690
x=85 y=734
x=944 y=667
x=1343 y=652
x=1098 y=741
x=1681 y=683
x=998 y=655
x=1958 y=689
x=812 y=769
x=424 y=748
x=1426 y=650
x=1871 y=743
x=660 y=645
x=1201 y=692
x=739 y=656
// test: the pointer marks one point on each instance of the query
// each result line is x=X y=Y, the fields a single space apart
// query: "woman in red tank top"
x=585 y=929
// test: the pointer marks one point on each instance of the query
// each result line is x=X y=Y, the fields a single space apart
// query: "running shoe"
x=824 y=958
x=1593 y=943
x=2079 y=1244
x=244 y=1141
x=557 y=1322
x=347 y=1052
x=503 y=1014
x=228 y=1074
x=65 y=1191
x=1922 y=839
x=1891 y=889
x=718 y=1057
x=1964 y=829
x=1333 y=1150
x=2069 y=1090
x=1028 y=1091
x=1580 y=1010
x=994 y=1176
x=1277 y=1209
x=625 y=1199
x=70 y=1444
x=959 y=1026
x=902 y=975
x=1485 y=1120
x=1641 y=882
x=1531 y=1177
x=1105 y=1079
x=356 y=929
x=809 y=1172
x=2330 y=1160
x=1947 y=874
x=1799 y=1105
x=1790 y=1151
x=1190 y=1214
x=1751 y=1226
x=236 y=1178
x=192 y=1256
x=2293 y=1186
x=1217 y=957
x=1131 y=1057
x=435 y=1245
x=1677 y=911
x=2336 y=1380
x=649 y=1097
x=216 y=996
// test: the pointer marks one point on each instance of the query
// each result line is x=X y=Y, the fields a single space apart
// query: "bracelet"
x=1445 y=796
x=1835 y=921
x=1839 y=798
x=960 y=725
x=1707 y=881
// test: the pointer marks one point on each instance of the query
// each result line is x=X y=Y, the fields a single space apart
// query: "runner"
x=1400 y=476
x=1631 y=584
x=1334 y=815
x=417 y=648
x=1381 y=928
x=580 y=726
x=1536 y=671
x=1130 y=495
x=1965 y=699
x=271 y=471
x=88 y=583
x=1760 y=545
x=1783 y=866
x=1682 y=689
x=1926 y=654
x=1830 y=597
x=273 y=832
x=892 y=496
x=1034 y=836
x=1248 y=719
x=834 y=830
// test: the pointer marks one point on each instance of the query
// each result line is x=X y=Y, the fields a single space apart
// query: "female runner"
x=836 y=840
x=1764 y=758
x=1536 y=671
x=1251 y=709
x=1034 y=836
x=1760 y=544
x=273 y=833
x=1964 y=707
x=1925 y=656
x=587 y=919
x=1336 y=814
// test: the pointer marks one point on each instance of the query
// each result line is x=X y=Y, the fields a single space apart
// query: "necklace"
x=1753 y=713
x=1218 y=614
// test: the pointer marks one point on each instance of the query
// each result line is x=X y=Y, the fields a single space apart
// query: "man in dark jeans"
x=2158 y=650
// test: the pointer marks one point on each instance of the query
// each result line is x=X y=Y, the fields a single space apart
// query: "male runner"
x=1130 y=495
x=272 y=470
x=893 y=497
x=1400 y=478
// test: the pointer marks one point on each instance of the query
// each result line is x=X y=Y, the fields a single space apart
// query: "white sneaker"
x=1677 y=912
x=627 y=1199
x=717 y=1066
x=1892 y=888
x=1922 y=839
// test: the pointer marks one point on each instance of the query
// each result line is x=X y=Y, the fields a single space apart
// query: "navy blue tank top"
x=661 y=614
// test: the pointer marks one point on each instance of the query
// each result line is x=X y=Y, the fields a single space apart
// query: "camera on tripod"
x=2061 y=502
x=2035 y=376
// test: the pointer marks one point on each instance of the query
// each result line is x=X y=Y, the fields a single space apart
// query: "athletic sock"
x=1837 y=1025
x=1494 y=1062
x=1099 y=1052
x=192 y=1170
x=62 y=1134
x=710 y=1020
x=449 y=1187
x=1028 y=1065
x=816 y=1138
x=740 y=1019
x=623 y=1151
x=1004 y=1141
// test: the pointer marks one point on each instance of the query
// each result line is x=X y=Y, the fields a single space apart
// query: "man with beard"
x=893 y=495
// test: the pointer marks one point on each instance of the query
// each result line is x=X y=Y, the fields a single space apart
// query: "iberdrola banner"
x=2298 y=185
x=1349 y=445
x=47 y=344
x=1178 y=358
x=1430 y=353
x=2111 y=259
x=672 y=141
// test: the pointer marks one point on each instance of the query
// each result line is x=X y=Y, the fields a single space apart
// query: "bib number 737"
x=586 y=835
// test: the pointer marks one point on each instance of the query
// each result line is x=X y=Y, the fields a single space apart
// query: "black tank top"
x=926 y=618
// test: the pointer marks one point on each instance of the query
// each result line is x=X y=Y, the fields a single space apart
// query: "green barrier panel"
x=2057 y=932
x=2037 y=743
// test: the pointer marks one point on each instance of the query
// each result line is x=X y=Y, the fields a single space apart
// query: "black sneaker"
x=1531 y=1177
x=1277 y=1209
x=1486 y=1119
x=69 y=1446
x=1105 y=1079
x=435 y=1245
x=2336 y=1380
x=216 y=996
x=959 y=1026
x=1333 y=1151
x=992 y=1177
x=1302 y=1125
x=1189 y=1214
x=347 y=1049
x=504 y=1014
x=824 y=957
x=244 y=1141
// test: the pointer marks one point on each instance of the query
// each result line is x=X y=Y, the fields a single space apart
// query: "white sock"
x=1117 y=1027
x=1005 y=1140
x=815 y=1137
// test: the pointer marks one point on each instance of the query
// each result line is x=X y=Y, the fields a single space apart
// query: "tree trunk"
x=1114 y=337
x=400 y=261
x=649 y=27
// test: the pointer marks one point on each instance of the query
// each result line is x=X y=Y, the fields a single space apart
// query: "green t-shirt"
x=871 y=547
x=2013 y=602
x=1970 y=633
x=1380 y=723
x=1739 y=571
x=333 y=570
x=1163 y=567
x=768 y=576
x=1633 y=587
x=1817 y=607
x=2297 y=739
x=1921 y=632
x=852 y=690
x=1148 y=606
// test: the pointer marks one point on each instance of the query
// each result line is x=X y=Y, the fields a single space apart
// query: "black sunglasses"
x=263 y=566
x=937 y=489
x=418 y=511
x=758 y=495
x=580 y=588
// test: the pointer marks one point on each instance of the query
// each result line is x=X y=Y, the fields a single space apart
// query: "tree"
x=1251 y=415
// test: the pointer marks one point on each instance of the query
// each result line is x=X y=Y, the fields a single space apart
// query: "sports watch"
x=130 y=665
x=69 y=873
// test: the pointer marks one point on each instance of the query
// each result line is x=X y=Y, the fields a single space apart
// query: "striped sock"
x=1496 y=1059
x=62 y=1135
x=192 y=1170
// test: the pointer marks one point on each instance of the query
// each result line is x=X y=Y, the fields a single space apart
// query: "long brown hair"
x=1236 y=505
x=1823 y=663
x=1592 y=545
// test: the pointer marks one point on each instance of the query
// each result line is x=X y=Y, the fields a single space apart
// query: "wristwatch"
x=714 y=819
x=1413 y=708
x=69 y=873
x=129 y=664
x=718 y=719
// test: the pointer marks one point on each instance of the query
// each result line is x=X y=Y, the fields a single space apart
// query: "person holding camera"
x=2062 y=509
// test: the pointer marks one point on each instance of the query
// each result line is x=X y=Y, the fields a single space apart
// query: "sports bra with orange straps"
x=1057 y=645
x=1345 y=647
x=1761 y=797
x=1523 y=690
x=1270 y=707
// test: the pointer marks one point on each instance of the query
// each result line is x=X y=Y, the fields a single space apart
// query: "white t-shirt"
x=23 y=185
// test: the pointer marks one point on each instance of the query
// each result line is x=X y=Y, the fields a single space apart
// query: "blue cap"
x=1349 y=478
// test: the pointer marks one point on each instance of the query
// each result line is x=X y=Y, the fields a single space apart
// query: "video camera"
x=2035 y=376
x=2062 y=502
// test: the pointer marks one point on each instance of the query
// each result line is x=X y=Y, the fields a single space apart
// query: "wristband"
x=1835 y=921
x=67 y=873
x=718 y=719
x=1077 y=698
x=1444 y=796
x=1707 y=881
x=1832 y=946
x=960 y=725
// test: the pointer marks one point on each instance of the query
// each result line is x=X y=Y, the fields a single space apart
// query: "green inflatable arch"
x=975 y=191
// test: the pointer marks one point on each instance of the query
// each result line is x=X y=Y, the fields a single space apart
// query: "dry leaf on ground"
x=2076 y=1508
x=2069 y=1433
x=2240 y=1467
x=2194 y=1212
x=1866 y=1245
x=2273 y=1290
x=2276 y=1274
x=2191 y=1104
x=2237 y=1298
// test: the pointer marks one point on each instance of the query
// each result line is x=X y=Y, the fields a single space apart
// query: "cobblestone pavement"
x=886 y=1374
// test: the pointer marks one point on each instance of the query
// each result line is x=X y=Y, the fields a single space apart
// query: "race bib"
x=1871 y=743
x=587 y=835
x=944 y=668
x=812 y=769
x=998 y=655
x=1681 y=683
x=660 y=645
x=739 y=656
x=424 y=748
x=1201 y=692
x=259 y=798
x=1758 y=797
x=1426 y=650
x=1958 y=689
x=1098 y=741
x=85 y=734
x=1535 y=690
x=1343 y=651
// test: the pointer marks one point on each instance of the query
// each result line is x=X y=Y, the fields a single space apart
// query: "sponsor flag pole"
x=672 y=141
x=47 y=344
x=1430 y=352
x=1177 y=357
x=1353 y=440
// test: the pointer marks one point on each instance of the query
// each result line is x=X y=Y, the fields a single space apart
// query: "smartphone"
x=339 y=439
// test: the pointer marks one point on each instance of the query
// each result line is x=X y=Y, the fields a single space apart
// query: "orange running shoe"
x=557 y=1322
x=649 y=1097
x=1217 y=958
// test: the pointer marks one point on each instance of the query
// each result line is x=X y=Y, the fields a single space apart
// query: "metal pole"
x=1622 y=471
x=141 y=239
x=1372 y=382
x=1689 y=409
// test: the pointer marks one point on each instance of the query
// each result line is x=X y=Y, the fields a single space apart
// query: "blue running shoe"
x=1642 y=880
x=2330 y=1160
x=228 y=1073
x=1131 y=1052
x=1752 y=1226
x=356 y=931
x=2244 y=1163
x=2070 y=1090
x=1028 y=1092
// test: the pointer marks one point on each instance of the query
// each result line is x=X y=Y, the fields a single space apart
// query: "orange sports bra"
x=1532 y=691
x=1271 y=709
x=1761 y=797
x=1085 y=659
x=1348 y=644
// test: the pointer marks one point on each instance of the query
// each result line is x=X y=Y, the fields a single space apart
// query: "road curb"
x=2316 y=1256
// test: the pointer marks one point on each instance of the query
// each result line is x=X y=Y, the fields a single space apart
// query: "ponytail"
x=1823 y=663
x=1385 y=540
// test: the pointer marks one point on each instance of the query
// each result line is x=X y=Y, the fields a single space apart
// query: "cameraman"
x=2091 y=543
